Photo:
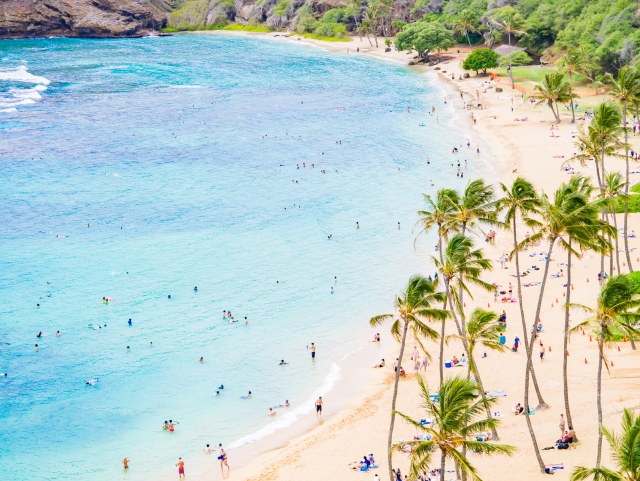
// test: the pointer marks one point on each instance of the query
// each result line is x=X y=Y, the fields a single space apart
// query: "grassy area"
x=536 y=74
x=324 y=38
x=233 y=26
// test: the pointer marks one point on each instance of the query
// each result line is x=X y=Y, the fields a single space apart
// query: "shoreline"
x=519 y=149
x=289 y=442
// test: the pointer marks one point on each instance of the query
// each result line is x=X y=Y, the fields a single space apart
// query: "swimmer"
x=172 y=424
x=201 y=359
x=248 y=395
x=286 y=403
x=398 y=225
x=128 y=348
x=39 y=335
x=271 y=412
x=282 y=363
x=57 y=333
x=357 y=225
x=195 y=289
x=126 y=462
x=165 y=426
x=332 y=290
x=129 y=322
x=335 y=279
x=221 y=386
x=37 y=347
x=246 y=321
x=217 y=393
x=169 y=296
x=4 y=374
x=92 y=382
x=207 y=449
x=150 y=344
x=428 y=160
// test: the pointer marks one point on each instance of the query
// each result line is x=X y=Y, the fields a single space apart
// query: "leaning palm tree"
x=625 y=89
x=614 y=188
x=412 y=306
x=440 y=214
x=566 y=213
x=465 y=24
x=521 y=199
x=371 y=19
x=625 y=453
x=513 y=24
x=457 y=415
x=604 y=129
x=552 y=90
x=571 y=64
x=482 y=329
x=617 y=299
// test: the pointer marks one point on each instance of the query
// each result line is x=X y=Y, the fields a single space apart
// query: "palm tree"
x=614 y=187
x=457 y=416
x=371 y=19
x=625 y=89
x=625 y=452
x=604 y=129
x=521 y=199
x=565 y=214
x=581 y=185
x=571 y=64
x=412 y=306
x=465 y=23
x=440 y=214
x=482 y=329
x=513 y=24
x=553 y=90
x=355 y=7
x=616 y=300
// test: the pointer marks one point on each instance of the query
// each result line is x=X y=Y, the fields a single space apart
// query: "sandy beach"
x=524 y=148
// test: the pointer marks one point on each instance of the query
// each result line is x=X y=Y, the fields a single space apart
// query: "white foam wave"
x=17 y=96
x=290 y=417
x=20 y=74
x=12 y=109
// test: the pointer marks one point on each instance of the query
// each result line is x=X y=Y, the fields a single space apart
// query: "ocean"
x=138 y=169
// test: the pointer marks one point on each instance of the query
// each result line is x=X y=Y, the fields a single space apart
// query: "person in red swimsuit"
x=180 y=465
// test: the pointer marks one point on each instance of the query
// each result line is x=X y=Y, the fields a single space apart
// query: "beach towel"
x=554 y=467
x=426 y=421
x=496 y=393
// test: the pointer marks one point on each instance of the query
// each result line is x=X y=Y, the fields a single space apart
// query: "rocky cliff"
x=81 y=18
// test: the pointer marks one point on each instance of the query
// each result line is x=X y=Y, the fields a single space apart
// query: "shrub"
x=481 y=59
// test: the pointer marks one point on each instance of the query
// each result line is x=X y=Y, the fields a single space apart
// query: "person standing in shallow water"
x=313 y=351
x=180 y=465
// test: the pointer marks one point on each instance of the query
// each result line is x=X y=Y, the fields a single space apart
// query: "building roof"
x=506 y=50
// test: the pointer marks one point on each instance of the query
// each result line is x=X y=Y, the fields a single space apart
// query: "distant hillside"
x=82 y=18
x=607 y=28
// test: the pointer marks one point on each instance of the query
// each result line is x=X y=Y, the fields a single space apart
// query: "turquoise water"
x=138 y=169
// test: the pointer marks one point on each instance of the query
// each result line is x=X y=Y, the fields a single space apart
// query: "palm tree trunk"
x=557 y=110
x=529 y=364
x=513 y=85
x=476 y=374
x=443 y=307
x=598 y=397
x=573 y=113
x=626 y=187
x=615 y=225
x=369 y=38
x=442 y=465
x=524 y=322
x=395 y=396
x=375 y=34
x=469 y=40
x=565 y=378
x=550 y=103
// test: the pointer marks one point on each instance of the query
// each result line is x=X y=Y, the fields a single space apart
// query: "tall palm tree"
x=465 y=23
x=552 y=90
x=371 y=18
x=589 y=217
x=457 y=415
x=614 y=187
x=625 y=453
x=521 y=199
x=412 y=306
x=625 y=89
x=513 y=24
x=441 y=215
x=571 y=64
x=482 y=329
x=604 y=129
x=617 y=299
x=355 y=8
x=566 y=213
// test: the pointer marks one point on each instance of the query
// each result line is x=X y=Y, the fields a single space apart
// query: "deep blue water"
x=138 y=169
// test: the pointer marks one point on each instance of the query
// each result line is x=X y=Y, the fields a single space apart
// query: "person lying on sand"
x=380 y=365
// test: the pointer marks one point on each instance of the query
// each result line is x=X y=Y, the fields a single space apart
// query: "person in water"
x=201 y=359
x=180 y=465
x=271 y=412
x=221 y=386
x=248 y=395
x=129 y=322
x=282 y=363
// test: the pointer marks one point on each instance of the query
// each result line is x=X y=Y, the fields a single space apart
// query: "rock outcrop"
x=81 y=18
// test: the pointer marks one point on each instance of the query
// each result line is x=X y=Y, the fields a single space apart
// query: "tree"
x=512 y=23
x=625 y=453
x=354 y=10
x=625 y=89
x=371 y=19
x=280 y=11
x=481 y=59
x=515 y=59
x=424 y=37
x=412 y=306
x=482 y=329
x=617 y=299
x=571 y=64
x=521 y=199
x=440 y=214
x=614 y=188
x=553 y=90
x=565 y=213
x=457 y=415
x=465 y=23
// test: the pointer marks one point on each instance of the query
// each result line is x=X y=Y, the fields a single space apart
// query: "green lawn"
x=535 y=74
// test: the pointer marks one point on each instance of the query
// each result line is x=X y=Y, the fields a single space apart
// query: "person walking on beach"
x=313 y=349
x=562 y=424
x=223 y=459
x=180 y=465
x=319 y=407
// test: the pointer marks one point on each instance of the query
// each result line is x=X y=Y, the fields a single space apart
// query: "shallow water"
x=138 y=169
